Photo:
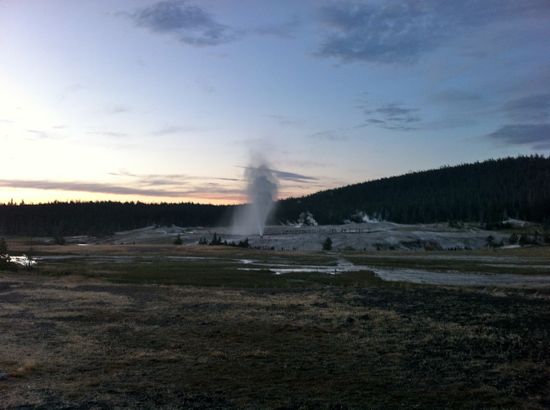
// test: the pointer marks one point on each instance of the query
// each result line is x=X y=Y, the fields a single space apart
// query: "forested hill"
x=485 y=191
x=482 y=192
x=103 y=218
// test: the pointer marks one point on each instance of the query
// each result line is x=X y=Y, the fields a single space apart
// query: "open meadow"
x=162 y=326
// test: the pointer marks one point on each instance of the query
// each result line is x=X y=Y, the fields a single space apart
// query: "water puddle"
x=448 y=278
x=282 y=269
x=23 y=260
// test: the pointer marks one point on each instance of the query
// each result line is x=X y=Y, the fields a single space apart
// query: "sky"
x=171 y=101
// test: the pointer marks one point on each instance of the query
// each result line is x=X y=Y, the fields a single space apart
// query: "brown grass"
x=68 y=342
x=25 y=369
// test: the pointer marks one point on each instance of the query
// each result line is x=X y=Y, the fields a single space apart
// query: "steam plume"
x=261 y=190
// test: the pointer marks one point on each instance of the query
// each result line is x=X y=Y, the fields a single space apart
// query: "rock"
x=3 y=376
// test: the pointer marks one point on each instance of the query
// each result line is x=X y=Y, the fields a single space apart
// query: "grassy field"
x=177 y=327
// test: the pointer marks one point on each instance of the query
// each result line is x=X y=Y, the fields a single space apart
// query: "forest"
x=486 y=192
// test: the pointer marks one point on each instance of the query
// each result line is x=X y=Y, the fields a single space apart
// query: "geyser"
x=261 y=194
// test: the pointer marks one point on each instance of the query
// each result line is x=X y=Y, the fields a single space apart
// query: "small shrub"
x=327 y=244
x=524 y=240
x=490 y=241
x=3 y=247
x=455 y=224
x=216 y=240
x=243 y=244
x=178 y=240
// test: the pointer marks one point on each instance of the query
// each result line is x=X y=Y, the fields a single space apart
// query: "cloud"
x=212 y=191
x=531 y=114
x=400 y=31
x=288 y=176
x=177 y=180
x=455 y=96
x=117 y=109
x=282 y=30
x=286 y=121
x=191 y=25
x=329 y=135
x=532 y=108
x=535 y=135
x=395 y=111
x=85 y=187
x=391 y=116
x=173 y=129
x=41 y=135
x=292 y=176
x=109 y=134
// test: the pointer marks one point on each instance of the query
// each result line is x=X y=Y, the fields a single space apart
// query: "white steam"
x=261 y=192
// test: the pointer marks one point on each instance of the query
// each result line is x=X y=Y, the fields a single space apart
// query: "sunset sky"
x=172 y=100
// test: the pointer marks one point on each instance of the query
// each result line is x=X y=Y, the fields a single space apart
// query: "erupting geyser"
x=261 y=194
x=262 y=190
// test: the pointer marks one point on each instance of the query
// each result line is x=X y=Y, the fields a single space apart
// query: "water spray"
x=261 y=193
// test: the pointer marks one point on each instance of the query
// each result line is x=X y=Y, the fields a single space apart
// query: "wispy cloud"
x=531 y=127
x=92 y=187
x=283 y=30
x=531 y=108
x=208 y=191
x=329 y=135
x=289 y=176
x=537 y=136
x=117 y=109
x=400 y=31
x=176 y=180
x=455 y=96
x=286 y=121
x=41 y=135
x=189 y=24
x=392 y=116
x=173 y=129
x=113 y=134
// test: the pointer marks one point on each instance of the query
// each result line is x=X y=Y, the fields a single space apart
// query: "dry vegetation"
x=71 y=338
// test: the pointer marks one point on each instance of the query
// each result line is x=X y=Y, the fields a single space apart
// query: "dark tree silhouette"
x=327 y=244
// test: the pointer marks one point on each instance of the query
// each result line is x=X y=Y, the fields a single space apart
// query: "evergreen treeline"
x=481 y=192
x=103 y=218
x=486 y=191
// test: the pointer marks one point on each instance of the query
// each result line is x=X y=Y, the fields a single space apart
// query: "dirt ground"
x=78 y=341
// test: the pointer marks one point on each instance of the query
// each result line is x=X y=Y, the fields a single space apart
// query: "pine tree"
x=327 y=244
x=3 y=248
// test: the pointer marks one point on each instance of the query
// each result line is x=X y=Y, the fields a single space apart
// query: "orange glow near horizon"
x=34 y=196
x=38 y=196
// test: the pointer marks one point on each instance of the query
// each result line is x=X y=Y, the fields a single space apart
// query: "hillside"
x=486 y=191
